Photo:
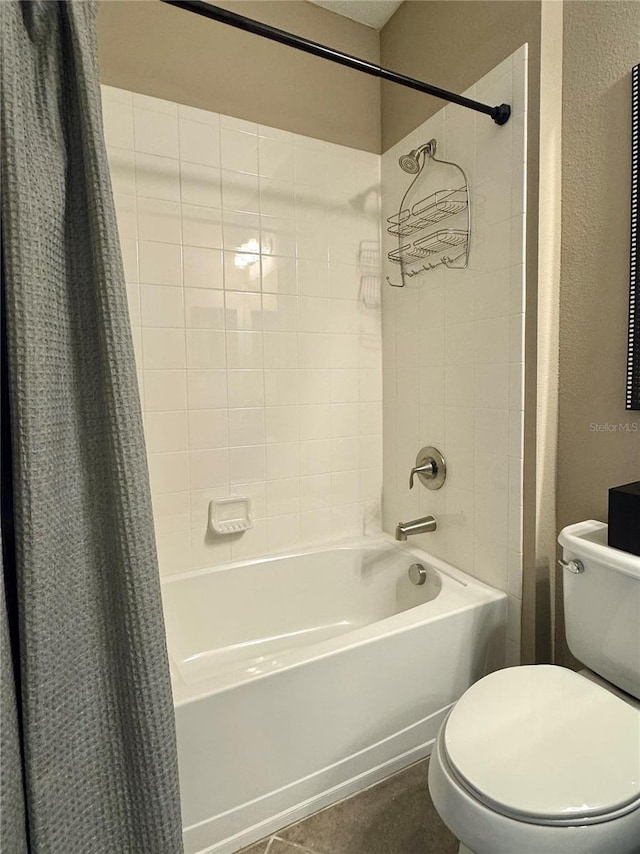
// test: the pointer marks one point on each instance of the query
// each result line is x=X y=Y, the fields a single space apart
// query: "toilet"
x=543 y=760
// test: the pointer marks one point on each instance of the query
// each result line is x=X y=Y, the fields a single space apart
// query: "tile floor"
x=394 y=817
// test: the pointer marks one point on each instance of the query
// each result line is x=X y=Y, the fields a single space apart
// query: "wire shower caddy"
x=420 y=249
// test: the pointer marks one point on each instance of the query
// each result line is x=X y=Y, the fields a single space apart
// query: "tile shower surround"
x=453 y=357
x=260 y=363
x=258 y=351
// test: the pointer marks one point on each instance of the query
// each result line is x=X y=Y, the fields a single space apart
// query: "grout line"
x=184 y=339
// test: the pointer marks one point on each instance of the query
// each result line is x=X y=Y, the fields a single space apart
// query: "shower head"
x=411 y=162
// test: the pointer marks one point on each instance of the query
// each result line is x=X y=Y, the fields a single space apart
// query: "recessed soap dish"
x=230 y=515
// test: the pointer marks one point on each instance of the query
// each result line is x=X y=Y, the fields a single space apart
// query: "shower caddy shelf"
x=448 y=247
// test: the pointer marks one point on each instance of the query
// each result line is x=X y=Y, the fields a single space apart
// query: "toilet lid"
x=544 y=744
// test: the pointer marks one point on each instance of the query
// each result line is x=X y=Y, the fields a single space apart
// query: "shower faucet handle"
x=427 y=470
x=430 y=468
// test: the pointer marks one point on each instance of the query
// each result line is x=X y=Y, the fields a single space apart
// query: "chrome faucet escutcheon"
x=430 y=468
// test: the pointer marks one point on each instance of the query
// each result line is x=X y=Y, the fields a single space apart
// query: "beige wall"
x=601 y=44
x=450 y=43
x=453 y=43
x=149 y=47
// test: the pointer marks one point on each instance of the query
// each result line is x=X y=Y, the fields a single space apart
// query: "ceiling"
x=372 y=13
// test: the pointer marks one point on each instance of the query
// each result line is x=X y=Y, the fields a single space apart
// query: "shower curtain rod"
x=499 y=114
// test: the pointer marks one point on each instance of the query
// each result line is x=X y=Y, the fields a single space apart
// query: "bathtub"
x=300 y=679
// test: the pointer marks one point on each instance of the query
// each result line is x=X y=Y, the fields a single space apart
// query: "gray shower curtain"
x=87 y=730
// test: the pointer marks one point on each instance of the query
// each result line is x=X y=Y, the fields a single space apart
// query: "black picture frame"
x=633 y=359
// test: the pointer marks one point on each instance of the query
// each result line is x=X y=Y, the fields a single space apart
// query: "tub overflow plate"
x=417 y=574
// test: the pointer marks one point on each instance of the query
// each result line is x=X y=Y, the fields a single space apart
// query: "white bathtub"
x=300 y=679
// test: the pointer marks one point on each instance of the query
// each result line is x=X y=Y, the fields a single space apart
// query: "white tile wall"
x=261 y=365
x=453 y=349
x=259 y=362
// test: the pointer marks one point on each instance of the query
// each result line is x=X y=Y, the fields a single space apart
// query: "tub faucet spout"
x=418 y=526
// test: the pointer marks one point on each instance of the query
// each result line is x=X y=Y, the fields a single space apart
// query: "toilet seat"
x=544 y=745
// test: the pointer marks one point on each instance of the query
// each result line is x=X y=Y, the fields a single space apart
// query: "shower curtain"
x=87 y=729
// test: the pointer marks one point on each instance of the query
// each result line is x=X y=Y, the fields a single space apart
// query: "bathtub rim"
x=369 y=540
x=466 y=592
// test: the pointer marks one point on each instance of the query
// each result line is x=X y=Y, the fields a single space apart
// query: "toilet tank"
x=602 y=605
